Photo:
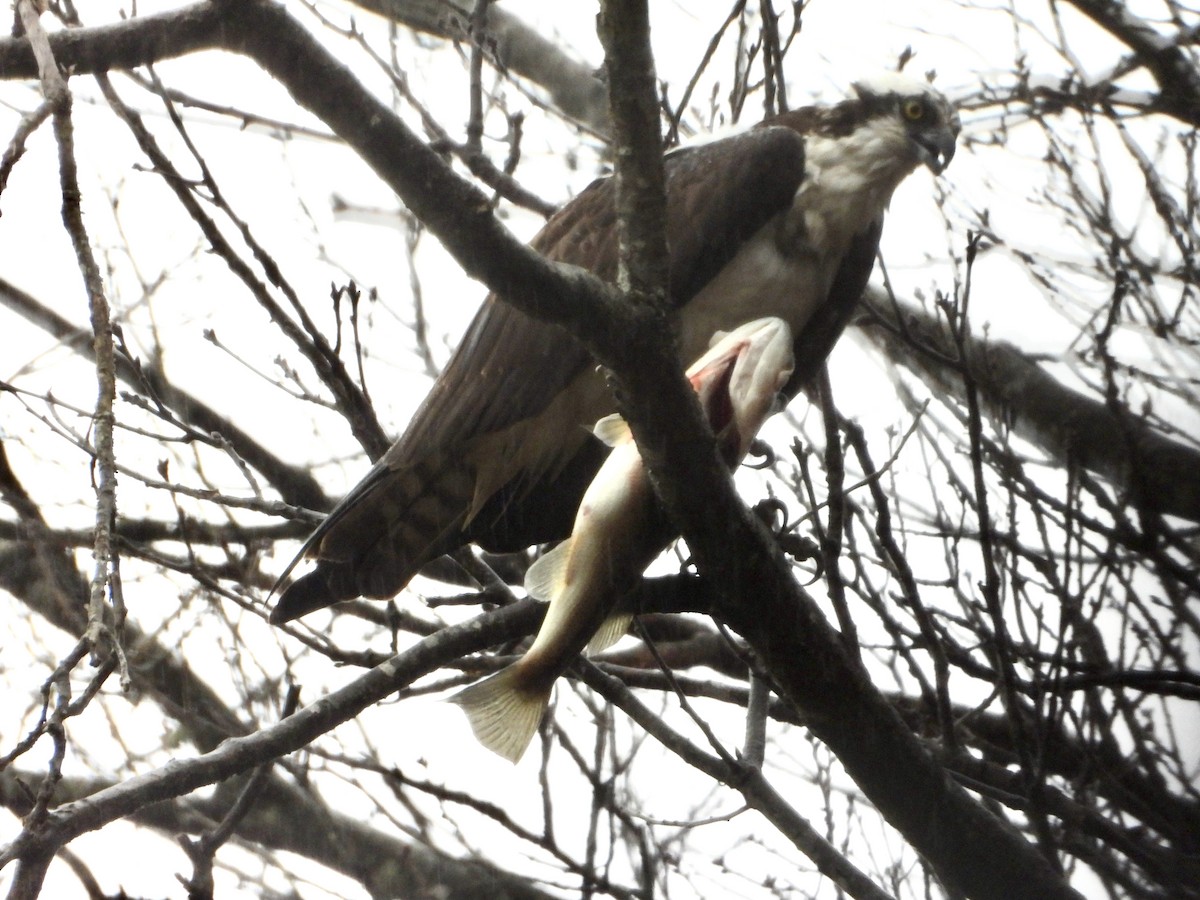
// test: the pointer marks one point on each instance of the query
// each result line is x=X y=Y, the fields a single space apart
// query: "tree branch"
x=134 y=42
x=238 y=754
x=1176 y=74
x=284 y=817
x=295 y=485
x=571 y=85
x=1151 y=469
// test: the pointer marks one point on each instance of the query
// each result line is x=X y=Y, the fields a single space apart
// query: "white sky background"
x=265 y=180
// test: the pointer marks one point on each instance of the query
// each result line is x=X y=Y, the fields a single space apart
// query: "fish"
x=619 y=530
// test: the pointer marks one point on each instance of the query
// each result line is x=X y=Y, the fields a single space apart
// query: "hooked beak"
x=936 y=148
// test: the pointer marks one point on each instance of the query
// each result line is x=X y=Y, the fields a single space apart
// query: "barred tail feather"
x=503 y=712
x=380 y=535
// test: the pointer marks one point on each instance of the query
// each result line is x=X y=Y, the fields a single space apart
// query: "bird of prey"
x=782 y=220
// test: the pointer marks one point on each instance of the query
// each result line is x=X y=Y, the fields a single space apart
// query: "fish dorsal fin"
x=612 y=429
x=545 y=577
x=610 y=631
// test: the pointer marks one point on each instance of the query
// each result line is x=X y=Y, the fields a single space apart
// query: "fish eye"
x=913 y=109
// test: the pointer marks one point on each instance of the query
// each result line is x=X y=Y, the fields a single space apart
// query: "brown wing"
x=717 y=196
x=816 y=340
x=413 y=505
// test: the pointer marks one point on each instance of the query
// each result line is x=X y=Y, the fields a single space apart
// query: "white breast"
x=787 y=267
x=849 y=181
x=759 y=281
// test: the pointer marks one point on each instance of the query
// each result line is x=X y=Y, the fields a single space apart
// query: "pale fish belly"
x=759 y=281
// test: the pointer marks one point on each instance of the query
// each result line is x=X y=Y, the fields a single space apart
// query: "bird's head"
x=928 y=118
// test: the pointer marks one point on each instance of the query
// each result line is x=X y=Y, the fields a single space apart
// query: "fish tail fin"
x=503 y=712
x=610 y=631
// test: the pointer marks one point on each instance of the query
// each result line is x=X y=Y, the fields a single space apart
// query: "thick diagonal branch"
x=1150 y=469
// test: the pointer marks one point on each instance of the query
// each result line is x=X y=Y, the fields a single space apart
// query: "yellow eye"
x=913 y=109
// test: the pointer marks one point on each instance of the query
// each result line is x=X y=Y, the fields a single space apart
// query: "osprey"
x=783 y=220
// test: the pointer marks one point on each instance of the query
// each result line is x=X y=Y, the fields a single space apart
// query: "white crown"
x=894 y=83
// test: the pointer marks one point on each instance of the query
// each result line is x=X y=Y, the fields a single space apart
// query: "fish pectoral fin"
x=545 y=578
x=612 y=430
x=610 y=631
x=503 y=712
